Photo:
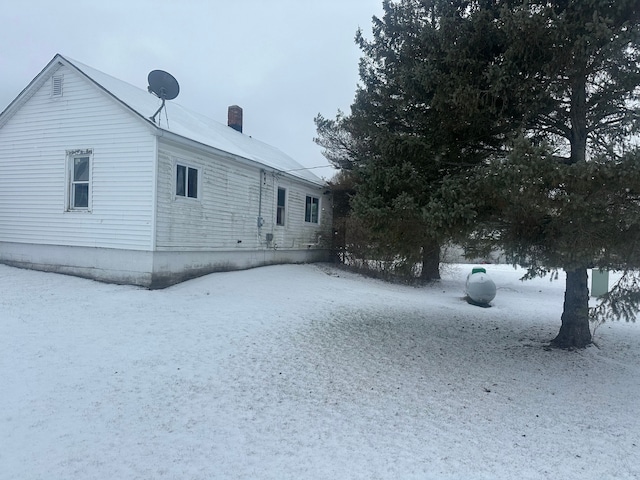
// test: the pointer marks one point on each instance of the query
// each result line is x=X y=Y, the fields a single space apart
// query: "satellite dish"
x=164 y=86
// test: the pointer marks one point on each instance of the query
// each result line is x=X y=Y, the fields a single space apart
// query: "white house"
x=91 y=185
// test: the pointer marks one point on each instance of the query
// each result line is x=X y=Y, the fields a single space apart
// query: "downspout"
x=156 y=134
x=260 y=219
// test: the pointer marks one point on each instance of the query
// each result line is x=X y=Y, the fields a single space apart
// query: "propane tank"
x=480 y=289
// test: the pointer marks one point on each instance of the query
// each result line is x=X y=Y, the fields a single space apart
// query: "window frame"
x=308 y=209
x=188 y=168
x=73 y=182
x=281 y=210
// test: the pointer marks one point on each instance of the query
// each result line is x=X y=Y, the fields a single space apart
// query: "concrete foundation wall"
x=144 y=268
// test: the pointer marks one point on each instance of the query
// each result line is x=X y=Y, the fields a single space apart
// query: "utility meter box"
x=599 y=282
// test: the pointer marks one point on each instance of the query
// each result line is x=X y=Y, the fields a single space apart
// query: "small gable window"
x=56 y=85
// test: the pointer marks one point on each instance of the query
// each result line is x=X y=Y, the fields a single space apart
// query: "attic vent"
x=56 y=86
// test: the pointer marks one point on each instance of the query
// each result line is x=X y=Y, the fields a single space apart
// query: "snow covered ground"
x=307 y=372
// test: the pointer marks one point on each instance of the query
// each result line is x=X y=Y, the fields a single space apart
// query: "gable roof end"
x=28 y=91
x=182 y=122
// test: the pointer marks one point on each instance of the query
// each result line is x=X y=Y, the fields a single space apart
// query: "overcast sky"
x=282 y=61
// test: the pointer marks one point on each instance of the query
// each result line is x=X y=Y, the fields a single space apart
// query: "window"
x=282 y=195
x=56 y=86
x=311 y=209
x=186 y=181
x=79 y=175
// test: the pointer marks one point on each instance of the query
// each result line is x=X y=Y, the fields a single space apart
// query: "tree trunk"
x=578 y=114
x=575 y=332
x=430 y=262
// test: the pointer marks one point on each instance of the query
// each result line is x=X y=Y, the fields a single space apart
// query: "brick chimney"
x=235 y=118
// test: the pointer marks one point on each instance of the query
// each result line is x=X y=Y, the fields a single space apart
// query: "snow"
x=308 y=372
x=197 y=127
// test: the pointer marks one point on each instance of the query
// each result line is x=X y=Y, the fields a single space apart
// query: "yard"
x=308 y=372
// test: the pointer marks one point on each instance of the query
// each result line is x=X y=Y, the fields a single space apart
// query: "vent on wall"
x=56 y=86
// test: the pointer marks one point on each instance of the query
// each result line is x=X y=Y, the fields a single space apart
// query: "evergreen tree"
x=507 y=122
x=565 y=194
x=416 y=119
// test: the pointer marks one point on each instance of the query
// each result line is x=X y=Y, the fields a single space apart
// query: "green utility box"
x=599 y=282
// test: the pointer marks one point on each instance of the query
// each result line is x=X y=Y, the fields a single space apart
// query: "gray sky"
x=282 y=61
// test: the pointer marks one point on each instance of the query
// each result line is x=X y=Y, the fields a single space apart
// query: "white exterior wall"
x=296 y=233
x=232 y=196
x=137 y=231
x=33 y=183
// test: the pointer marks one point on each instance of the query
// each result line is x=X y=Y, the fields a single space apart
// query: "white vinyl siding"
x=226 y=215
x=34 y=188
x=298 y=232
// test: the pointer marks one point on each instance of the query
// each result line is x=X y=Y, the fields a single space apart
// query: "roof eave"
x=181 y=140
x=56 y=62
x=28 y=91
x=136 y=113
x=59 y=60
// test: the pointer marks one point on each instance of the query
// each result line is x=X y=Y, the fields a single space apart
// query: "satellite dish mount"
x=163 y=86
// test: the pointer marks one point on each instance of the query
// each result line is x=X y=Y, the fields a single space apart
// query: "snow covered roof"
x=192 y=125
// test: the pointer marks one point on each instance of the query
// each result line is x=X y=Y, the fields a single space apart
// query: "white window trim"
x=174 y=176
x=70 y=156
